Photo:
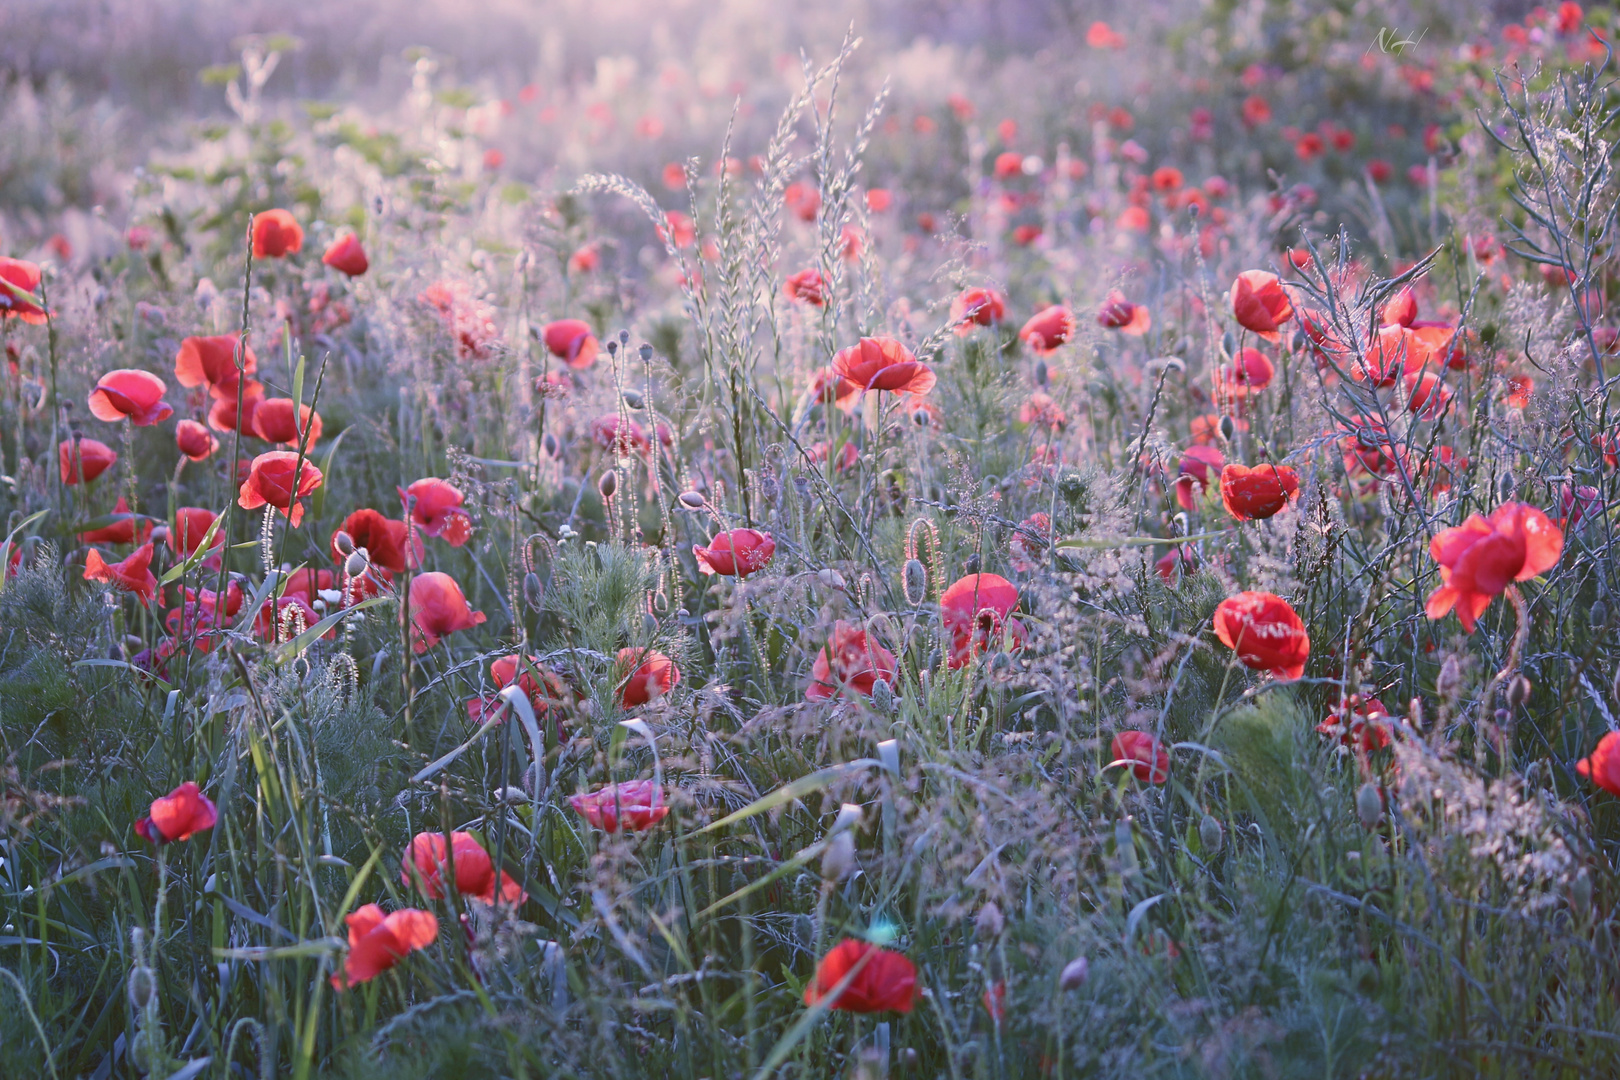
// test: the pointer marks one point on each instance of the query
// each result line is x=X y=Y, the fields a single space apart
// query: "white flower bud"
x=1075 y=973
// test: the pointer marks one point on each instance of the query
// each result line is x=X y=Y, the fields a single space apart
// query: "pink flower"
x=636 y=805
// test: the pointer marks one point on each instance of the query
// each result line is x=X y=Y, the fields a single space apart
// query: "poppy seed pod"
x=356 y=564
x=990 y=923
x=343 y=543
x=1075 y=973
x=1518 y=692
x=1210 y=834
x=608 y=484
x=1369 y=806
x=646 y=352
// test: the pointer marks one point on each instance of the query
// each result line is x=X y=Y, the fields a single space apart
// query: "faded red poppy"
x=1400 y=310
x=1481 y=557
x=1024 y=552
x=1145 y=755
x=1260 y=304
x=211 y=362
x=133 y=574
x=1039 y=409
x=1358 y=721
x=830 y=388
x=1199 y=465
x=977 y=307
x=1048 y=328
x=1008 y=164
x=977 y=611
x=19 y=287
x=346 y=256
x=435 y=505
x=1427 y=395
x=1257 y=493
x=1118 y=313
x=468 y=320
x=654 y=676
x=384 y=539
x=1602 y=766
x=806 y=287
x=850 y=660
x=438 y=608
x=194 y=440
x=543 y=691
x=572 y=342
x=191 y=524
x=275 y=421
x=1181 y=557
x=276 y=234
x=271 y=482
x=1576 y=503
x=425 y=864
x=803 y=199
x=736 y=553
x=127 y=531
x=132 y=394
x=624 y=438
x=880 y=980
x=179 y=815
x=847 y=457
x=224 y=415
x=635 y=806
x=884 y=364
x=1251 y=371
x=1265 y=633
x=377 y=942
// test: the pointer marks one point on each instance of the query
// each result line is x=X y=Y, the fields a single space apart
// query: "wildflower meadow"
x=968 y=541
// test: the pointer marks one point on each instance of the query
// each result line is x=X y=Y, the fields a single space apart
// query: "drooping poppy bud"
x=347 y=256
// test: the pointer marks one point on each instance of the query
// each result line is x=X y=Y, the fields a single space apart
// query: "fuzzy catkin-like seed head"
x=142 y=987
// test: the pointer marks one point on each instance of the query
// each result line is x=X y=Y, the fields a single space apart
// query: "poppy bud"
x=838 y=861
x=990 y=922
x=970 y=565
x=143 y=984
x=1000 y=663
x=1210 y=835
x=1040 y=373
x=612 y=347
x=509 y=794
x=1580 y=892
x=882 y=697
x=356 y=563
x=608 y=484
x=650 y=624
x=534 y=591
x=1228 y=428
x=1369 y=806
x=1518 y=692
x=634 y=400
x=830 y=577
x=343 y=543
x=1506 y=486
x=914 y=581
x=550 y=446
x=140 y=1051
x=692 y=500
x=1075 y=973
x=1599 y=614
x=909 y=1057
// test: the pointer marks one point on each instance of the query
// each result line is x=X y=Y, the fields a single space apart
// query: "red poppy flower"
x=636 y=806
x=384 y=539
x=275 y=421
x=211 y=362
x=1251 y=371
x=377 y=942
x=1602 y=767
x=130 y=393
x=276 y=234
x=1427 y=395
x=1481 y=557
x=1148 y=760
x=133 y=574
x=1198 y=466
x=977 y=611
x=806 y=287
x=191 y=524
x=119 y=532
x=1265 y=632
x=624 y=438
x=271 y=482
x=1257 y=493
x=435 y=505
x=543 y=692
x=1118 y=313
x=1134 y=219
x=1576 y=503
x=1256 y=111
x=1041 y=410
x=817 y=453
x=224 y=415
x=1400 y=310
x=884 y=364
x=1358 y=722
x=1182 y=557
x=1024 y=552
x=736 y=553
x=179 y=815
x=803 y=199
x=879 y=199
x=977 y=307
x=655 y=675
x=475 y=870
x=830 y=388
x=850 y=659
x=1048 y=328
x=194 y=440
x=438 y=608
x=19 y=285
x=572 y=342
x=1260 y=304
x=879 y=980
x=347 y=256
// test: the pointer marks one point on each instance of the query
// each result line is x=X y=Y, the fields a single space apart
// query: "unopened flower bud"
x=550 y=447
x=1580 y=892
x=1449 y=681
x=914 y=581
x=1041 y=374
x=1228 y=428
x=1369 y=806
x=1599 y=614
x=1505 y=486
x=1210 y=835
x=1518 y=692
x=142 y=985
x=356 y=563
x=990 y=922
x=534 y=591
x=343 y=543
x=838 y=861
x=831 y=578
x=608 y=484
x=634 y=400
x=882 y=697
x=692 y=500
x=1075 y=973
